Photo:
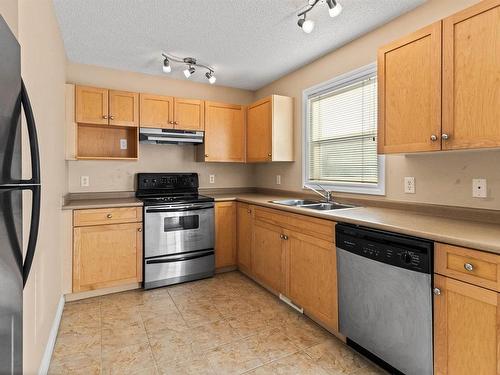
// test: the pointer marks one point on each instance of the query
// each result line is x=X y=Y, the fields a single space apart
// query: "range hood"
x=169 y=136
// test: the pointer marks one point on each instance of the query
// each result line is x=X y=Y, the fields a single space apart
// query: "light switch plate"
x=123 y=144
x=410 y=185
x=479 y=188
x=212 y=179
x=84 y=181
x=278 y=179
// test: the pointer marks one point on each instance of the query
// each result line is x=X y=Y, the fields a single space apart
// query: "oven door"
x=175 y=229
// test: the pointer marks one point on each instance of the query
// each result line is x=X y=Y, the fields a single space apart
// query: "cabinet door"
x=267 y=255
x=225 y=234
x=189 y=114
x=471 y=77
x=91 y=105
x=259 y=131
x=311 y=276
x=466 y=329
x=409 y=85
x=157 y=111
x=245 y=229
x=123 y=108
x=107 y=255
x=224 y=132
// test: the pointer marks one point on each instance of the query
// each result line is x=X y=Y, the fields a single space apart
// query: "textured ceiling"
x=250 y=43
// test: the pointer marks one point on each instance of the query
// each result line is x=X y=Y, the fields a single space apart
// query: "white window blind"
x=341 y=120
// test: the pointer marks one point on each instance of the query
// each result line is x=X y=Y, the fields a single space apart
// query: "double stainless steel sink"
x=313 y=204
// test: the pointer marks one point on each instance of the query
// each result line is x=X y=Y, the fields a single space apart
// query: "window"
x=340 y=134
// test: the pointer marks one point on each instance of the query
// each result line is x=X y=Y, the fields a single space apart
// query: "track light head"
x=166 y=66
x=306 y=25
x=189 y=71
x=334 y=8
x=211 y=78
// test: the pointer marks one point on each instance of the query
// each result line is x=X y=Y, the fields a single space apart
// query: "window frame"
x=324 y=87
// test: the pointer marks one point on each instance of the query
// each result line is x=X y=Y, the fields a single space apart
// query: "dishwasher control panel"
x=398 y=250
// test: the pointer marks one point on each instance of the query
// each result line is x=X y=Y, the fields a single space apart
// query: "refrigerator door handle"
x=33 y=139
x=33 y=236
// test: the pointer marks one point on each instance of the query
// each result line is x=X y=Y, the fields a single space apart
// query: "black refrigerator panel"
x=11 y=281
x=10 y=106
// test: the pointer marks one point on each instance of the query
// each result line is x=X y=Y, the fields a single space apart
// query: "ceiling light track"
x=334 y=9
x=191 y=65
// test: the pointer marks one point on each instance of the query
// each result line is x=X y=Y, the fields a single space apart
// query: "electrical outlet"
x=410 y=185
x=212 y=179
x=278 y=179
x=479 y=188
x=84 y=181
x=123 y=144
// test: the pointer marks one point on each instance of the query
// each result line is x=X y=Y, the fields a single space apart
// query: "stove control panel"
x=167 y=181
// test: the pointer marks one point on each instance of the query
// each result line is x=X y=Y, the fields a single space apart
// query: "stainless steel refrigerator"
x=13 y=269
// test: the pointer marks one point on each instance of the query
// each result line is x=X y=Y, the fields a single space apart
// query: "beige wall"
x=119 y=175
x=43 y=64
x=441 y=178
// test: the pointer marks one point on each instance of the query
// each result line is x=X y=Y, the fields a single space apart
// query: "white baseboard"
x=51 y=342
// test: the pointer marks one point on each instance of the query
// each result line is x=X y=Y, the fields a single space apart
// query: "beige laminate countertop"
x=473 y=234
x=79 y=204
x=467 y=233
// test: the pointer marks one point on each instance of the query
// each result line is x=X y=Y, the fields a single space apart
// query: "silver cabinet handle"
x=285 y=237
x=206 y=155
x=269 y=154
x=281 y=236
x=171 y=122
x=249 y=211
x=434 y=138
x=111 y=117
x=468 y=267
x=109 y=216
x=105 y=117
x=139 y=229
x=436 y=291
x=445 y=136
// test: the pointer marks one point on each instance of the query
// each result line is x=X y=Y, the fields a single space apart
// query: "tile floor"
x=223 y=325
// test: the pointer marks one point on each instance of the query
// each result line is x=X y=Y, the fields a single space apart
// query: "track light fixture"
x=334 y=9
x=166 y=66
x=188 y=72
x=191 y=65
x=306 y=25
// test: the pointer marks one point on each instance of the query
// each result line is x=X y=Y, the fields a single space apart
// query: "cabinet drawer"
x=101 y=216
x=472 y=266
x=300 y=223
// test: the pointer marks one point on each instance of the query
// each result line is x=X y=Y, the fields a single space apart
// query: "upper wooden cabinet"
x=471 y=77
x=91 y=105
x=463 y=50
x=270 y=129
x=157 y=111
x=106 y=107
x=409 y=84
x=225 y=234
x=189 y=114
x=224 y=133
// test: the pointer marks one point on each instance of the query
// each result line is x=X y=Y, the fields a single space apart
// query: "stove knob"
x=406 y=257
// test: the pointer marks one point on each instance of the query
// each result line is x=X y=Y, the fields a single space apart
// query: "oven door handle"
x=179 y=208
x=173 y=260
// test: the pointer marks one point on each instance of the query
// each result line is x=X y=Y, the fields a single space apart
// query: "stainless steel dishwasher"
x=385 y=296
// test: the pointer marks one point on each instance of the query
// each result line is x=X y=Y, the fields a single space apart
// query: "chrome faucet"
x=327 y=195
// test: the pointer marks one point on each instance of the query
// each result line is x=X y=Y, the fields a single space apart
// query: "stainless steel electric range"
x=178 y=229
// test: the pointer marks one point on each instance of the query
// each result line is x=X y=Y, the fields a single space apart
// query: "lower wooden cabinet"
x=267 y=255
x=311 y=276
x=244 y=222
x=106 y=255
x=225 y=234
x=466 y=328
